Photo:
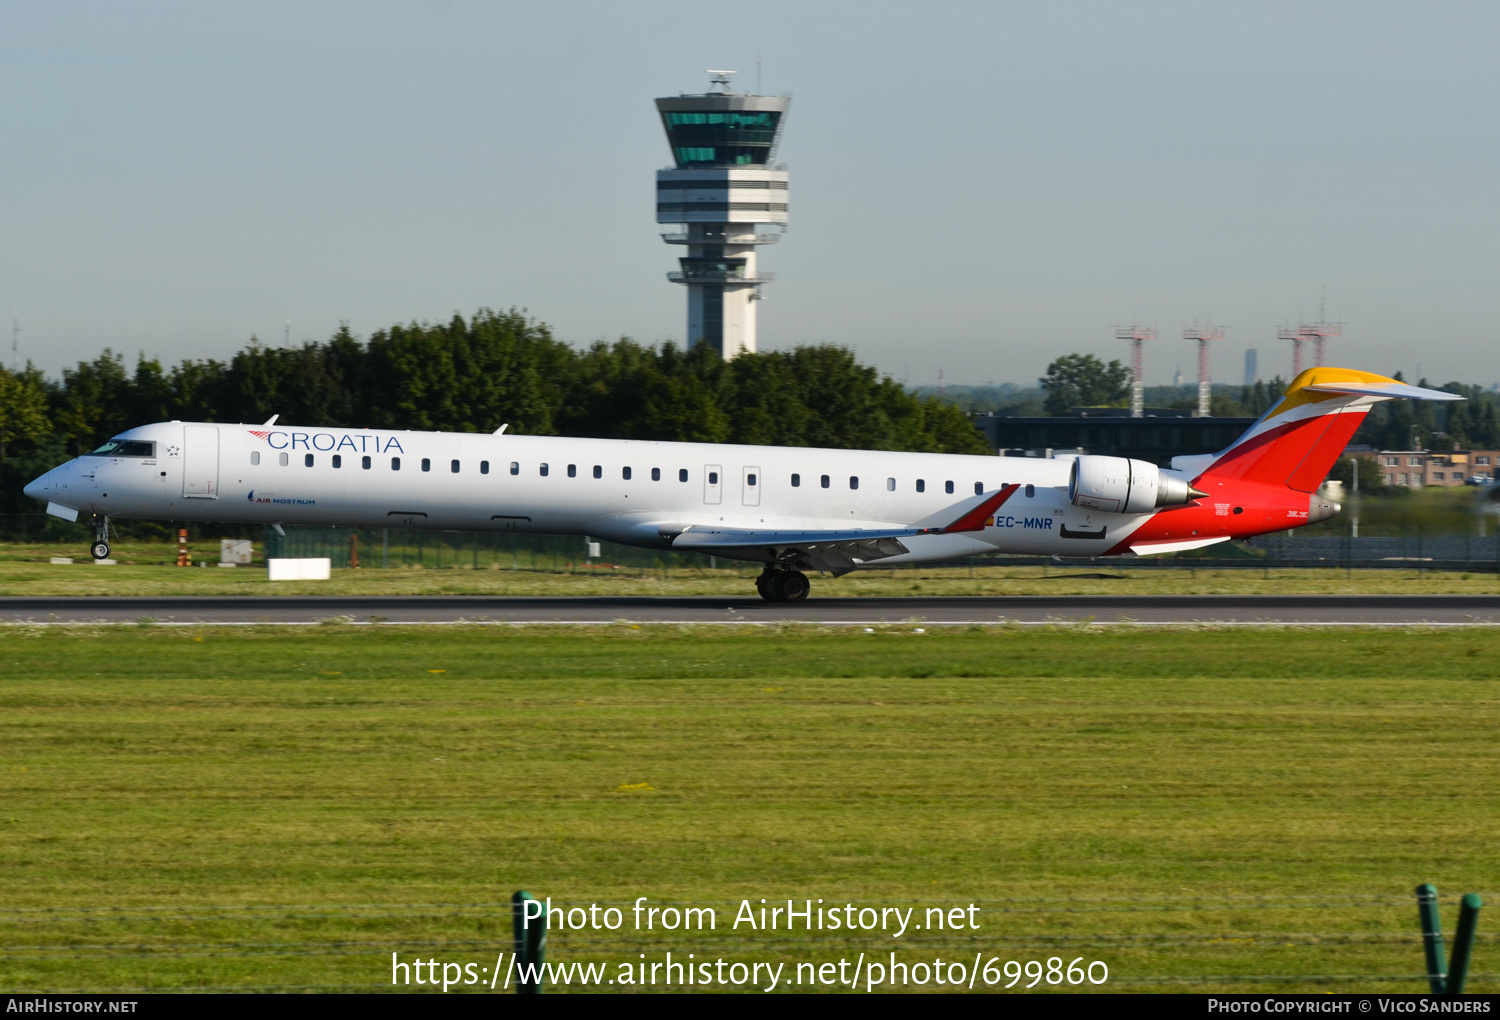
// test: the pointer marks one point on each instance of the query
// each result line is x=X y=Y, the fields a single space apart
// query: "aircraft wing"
x=837 y=551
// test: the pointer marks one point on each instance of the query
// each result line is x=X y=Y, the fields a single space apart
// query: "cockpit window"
x=124 y=448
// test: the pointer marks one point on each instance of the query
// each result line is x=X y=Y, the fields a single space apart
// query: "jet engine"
x=1118 y=485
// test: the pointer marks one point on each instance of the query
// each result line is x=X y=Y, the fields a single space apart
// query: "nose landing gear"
x=100 y=549
x=783 y=585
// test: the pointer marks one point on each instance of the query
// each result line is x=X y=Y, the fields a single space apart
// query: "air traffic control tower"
x=722 y=187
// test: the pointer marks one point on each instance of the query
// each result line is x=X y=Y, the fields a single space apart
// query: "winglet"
x=270 y=421
x=975 y=519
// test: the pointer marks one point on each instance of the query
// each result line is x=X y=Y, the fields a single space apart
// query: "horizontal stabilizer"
x=1390 y=390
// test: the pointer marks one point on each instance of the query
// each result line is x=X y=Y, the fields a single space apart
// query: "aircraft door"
x=200 y=461
x=751 y=487
x=713 y=484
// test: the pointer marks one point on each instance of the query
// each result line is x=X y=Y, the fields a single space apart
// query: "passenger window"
x=515 y=467
x=890 y=485
x=796 y=481
x=682 y=474
x=307 y=459
x=395 y=463
x=484 y=467
x=453 y=466
x=254 y=456
x=598 y=471
x=978 y=488
x=426 y=463
x=364 y=462
x=656 y=474
x=338 y=460
x=544 y=471
x=1030 y=491
x=713 y=478
x=749 y=479
x=572 y=470
x=921 y=485
x=825 y=481
x=854 y=481
x=625 y=473
x=282 y=460
x=948 y=487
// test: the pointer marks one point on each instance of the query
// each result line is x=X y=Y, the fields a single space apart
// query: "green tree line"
x=474 y=375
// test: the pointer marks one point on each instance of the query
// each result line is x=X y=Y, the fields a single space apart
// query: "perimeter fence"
x=1232 y=943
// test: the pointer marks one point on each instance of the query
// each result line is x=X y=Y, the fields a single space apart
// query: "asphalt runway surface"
x=1243 y=610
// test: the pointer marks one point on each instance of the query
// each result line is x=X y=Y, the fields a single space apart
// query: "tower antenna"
x=1137 y=335
x=1204 y=336
x=721 y=79
x=15 y=342
x=757 y=72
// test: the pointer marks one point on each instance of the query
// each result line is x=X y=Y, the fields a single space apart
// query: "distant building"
x=721 y=187
x=1152 y=439
x=1252 y=368
x=1416 y=469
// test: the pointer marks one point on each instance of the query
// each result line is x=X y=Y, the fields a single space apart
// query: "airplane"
x=791 y=509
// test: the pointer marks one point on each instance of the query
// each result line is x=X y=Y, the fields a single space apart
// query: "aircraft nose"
x=39 y=488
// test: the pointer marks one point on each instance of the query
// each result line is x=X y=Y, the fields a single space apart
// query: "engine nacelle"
x=1118 y=485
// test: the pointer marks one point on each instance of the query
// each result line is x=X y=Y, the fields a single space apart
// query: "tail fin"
x=1297 y=442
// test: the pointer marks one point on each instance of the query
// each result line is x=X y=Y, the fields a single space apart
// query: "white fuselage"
x=634 y=492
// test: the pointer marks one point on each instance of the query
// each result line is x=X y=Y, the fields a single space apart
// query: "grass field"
x=253 y=808
x=24 y=572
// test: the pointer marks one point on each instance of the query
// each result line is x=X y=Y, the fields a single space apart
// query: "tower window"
x=796 y=481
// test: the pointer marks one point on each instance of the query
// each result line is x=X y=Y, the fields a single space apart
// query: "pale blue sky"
x=975 y=187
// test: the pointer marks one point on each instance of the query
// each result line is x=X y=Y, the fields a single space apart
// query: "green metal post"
x=530 y=948
x=1432 y=937
x=1463 y=943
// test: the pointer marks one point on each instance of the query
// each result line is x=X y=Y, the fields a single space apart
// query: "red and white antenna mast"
x=1204 y=336
x=1137 y=335
x=1296 y=338
x=1318 y=333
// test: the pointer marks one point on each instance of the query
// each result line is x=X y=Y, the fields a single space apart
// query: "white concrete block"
x=319 y=569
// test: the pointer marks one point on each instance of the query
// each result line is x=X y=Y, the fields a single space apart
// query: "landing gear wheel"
x=100 y=550
x=765 y=584
x=792 y=586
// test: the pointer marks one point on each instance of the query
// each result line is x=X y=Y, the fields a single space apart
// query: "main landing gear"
x=783 y=585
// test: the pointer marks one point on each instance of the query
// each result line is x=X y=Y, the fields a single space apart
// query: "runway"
x=1157 y=610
